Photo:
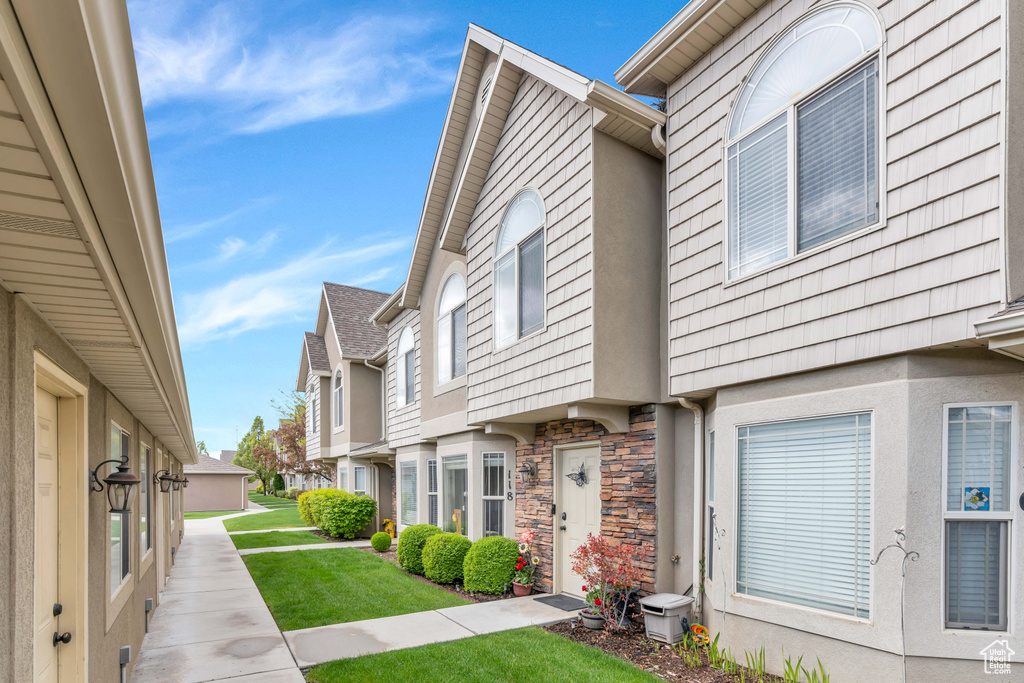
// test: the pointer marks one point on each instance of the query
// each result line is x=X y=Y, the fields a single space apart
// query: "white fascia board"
x=997 y=327
x=667 y=37
x=605 y=97
x=389 y=309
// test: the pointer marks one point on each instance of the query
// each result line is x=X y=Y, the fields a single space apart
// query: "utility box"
x=664 y=614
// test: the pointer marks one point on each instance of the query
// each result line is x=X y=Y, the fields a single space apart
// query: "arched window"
x=339 y=399
x=802 y=162
x=405 y=368
x=519 y=269
x=451 y=330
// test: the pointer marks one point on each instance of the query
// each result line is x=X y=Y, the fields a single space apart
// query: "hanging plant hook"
x=908 y=557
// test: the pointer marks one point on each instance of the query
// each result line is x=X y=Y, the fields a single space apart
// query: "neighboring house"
x=527 y=333
x=224 y=456
x=216 y=485
x=92 y=370
x=844 y=236
x=340 y=374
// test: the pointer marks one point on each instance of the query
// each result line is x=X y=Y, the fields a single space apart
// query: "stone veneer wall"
x=628 y=502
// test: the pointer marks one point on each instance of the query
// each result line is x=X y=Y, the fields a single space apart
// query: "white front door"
x=579 y=509
x=46 y=539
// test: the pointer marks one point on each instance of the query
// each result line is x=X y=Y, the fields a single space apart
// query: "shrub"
x=293 y=492
x=381 y=541
x=304 y=510
x=278 y=483
x=443 y=555
x=338 y=513
x=410 y=546
x=489 y=565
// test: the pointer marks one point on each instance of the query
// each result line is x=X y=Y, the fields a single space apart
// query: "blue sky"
x=292 y=142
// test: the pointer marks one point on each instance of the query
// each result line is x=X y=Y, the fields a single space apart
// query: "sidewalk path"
x=212 y=623
x=264 y=531
x=308 y=546
x=341 y=641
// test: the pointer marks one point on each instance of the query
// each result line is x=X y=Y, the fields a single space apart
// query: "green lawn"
x=276 y=539
x=305 y=588
x=528 y=654
x=270 y=500
x=210 y=513
x=277 y=519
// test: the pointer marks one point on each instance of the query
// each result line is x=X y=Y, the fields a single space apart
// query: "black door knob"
x=58 y=638
x=562 y=527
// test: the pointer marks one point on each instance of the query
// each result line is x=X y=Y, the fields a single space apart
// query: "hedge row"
x=483 y=567
x=337 y=513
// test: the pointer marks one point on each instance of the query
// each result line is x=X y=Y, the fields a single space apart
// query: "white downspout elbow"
x=698 y=499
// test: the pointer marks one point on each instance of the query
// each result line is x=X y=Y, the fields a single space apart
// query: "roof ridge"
x=361 y=289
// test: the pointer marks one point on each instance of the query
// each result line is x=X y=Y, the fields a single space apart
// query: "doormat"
x=563 y=602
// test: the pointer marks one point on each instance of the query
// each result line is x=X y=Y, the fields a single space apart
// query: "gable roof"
x=677 y=46
x=208 y=465
x=350 y=309
x=616 y=114
x=314 y=357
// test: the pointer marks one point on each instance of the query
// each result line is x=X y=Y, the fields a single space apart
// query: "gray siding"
x=404 y=421
x=312 y=435
x=547 y=145
x=922 y=280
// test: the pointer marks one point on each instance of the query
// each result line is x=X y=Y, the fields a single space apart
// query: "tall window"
x=343 y=477
x=408 y=483
x=359 y=480
x=405 y=368
x=315 y=421
x=804 y=532
x=711 y=506
x=494 y=494
x=978 y=512
x=120 y=447
x=451 y=330
x=455 y=487
x=519 y=269
x=339 y=399
x=145 y=498
x=432 y=491
x=802 y=161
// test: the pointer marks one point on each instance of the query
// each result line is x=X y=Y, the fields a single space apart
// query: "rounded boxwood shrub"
x=489 y=565
x=410 y=546
x=337 y=513
x=304 y=507
x=443 y=555
x=381 y=541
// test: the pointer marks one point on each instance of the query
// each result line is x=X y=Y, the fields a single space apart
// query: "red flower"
x=584 y=588
x=597 y=601
x=520 y=559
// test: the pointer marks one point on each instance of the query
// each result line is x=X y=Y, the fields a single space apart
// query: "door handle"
x=58 y=609
x=58 y=638
x=562 y=527
x=563 y=516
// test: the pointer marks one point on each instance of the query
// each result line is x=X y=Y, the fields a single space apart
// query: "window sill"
x=789 y=260
x=119 y=599
x=450 y=386
x=511 y=345
x=145 y=563
x=751 y=600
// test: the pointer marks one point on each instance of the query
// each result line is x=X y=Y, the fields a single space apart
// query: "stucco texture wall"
x=215 y=492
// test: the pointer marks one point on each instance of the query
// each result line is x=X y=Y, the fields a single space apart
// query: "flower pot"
x=592 y=620
x=519 y=590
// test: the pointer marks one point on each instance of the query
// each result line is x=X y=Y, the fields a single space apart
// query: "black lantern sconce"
x=120 y=485
x=185 y=482
x=527 y=473
x=163 y=479
x=177 y=482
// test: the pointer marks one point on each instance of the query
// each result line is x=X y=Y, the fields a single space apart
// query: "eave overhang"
x=1004 y=334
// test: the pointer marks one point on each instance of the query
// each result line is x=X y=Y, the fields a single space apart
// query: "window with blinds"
x=805 y=512
x=451 y=330
x=432 y=492
x=978 y=513
x=494 y=494
x=519 y=269
x=359 y=480
x=407 y=483
x=802 y=166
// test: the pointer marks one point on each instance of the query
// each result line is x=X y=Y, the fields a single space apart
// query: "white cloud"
x=254 y=79
x=181 y=232
x=283 y=294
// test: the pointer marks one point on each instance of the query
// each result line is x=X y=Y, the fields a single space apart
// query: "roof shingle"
x=351 y=308
x=1016 y=306
x=319 y=361
x=208 y=465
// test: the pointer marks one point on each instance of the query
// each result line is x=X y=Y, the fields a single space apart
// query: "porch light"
x=185 y=483
x=527 y=473
x=177 y=482
x=120 y=485
x=163 y=479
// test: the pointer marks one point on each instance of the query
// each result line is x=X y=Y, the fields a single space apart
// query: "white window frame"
x=355 y=480
x=446 y=328
x=432 y=463
x=735 y=545
x=790 y=109
x=498 y=256
x=414 y=464
x=146 y=461
x=338 y=398
x=343 y=477
x=710 y=496
x=483 y=488
x=1006 y=516
x=125 y=566
x=401 y=367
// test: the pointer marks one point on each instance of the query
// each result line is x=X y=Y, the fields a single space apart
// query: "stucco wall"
x=215 y=492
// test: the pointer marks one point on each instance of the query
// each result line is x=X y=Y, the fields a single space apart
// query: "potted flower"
x=526 y=565
x=611 y=577
x=596 y=598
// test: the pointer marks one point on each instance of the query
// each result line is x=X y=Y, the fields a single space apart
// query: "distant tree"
x=290 y=438
x=201 y=447
x=256 y=452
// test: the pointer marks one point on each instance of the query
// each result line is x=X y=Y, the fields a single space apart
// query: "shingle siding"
x=920 y=281
x=403 y=421
x=312 y=435
x=546 y=144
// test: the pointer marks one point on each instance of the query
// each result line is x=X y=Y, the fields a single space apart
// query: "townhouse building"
x=91 y=377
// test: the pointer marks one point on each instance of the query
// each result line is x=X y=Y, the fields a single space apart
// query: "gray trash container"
x=662 y=616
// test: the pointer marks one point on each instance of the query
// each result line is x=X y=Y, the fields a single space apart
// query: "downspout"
x=698 y=499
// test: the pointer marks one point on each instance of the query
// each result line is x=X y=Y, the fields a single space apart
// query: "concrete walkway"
x=308 y=546
x=265 y=531
x=341 y=641
x=212 y=623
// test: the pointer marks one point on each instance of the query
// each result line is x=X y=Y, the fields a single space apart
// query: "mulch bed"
x=392 y=557
x=631 y=643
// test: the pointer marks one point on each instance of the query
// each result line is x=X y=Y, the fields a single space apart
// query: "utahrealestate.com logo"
x=997 y=657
